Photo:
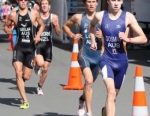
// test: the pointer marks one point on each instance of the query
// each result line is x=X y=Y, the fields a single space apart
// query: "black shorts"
x=24 y=55
x=45 y=51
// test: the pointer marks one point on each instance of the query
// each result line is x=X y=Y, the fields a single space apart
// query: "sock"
x=39 y=85
x=81 y=98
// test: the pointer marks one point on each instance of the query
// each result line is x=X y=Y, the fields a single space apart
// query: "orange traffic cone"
x=11 y=42
x=139 y=96
x=75 y=80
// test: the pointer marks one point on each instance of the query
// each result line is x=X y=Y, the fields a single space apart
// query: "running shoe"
x=25 y=105
x=37 y=70
x=81 y=110
x=39 y=91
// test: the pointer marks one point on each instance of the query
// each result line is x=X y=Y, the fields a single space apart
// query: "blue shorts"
x=114 y=69
x=14 y=37
x=85 y=62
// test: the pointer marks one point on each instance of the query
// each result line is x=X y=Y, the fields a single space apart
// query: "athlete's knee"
x=26 y=76
x=39 y=60
x=88 y=83
x=40 y=63
x=111 y=94
x=45 y=70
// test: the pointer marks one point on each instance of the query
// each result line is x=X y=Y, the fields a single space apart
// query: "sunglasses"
x=23 y=0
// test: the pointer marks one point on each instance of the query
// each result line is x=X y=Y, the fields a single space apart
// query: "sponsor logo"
x=24 y=25
x=25 y=40
x=107 y=26
x=118 y=26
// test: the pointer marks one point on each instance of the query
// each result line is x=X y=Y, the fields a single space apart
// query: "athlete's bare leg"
x=44 y=73
x=88 y=88
x=39 y=60
x=20 y=83
x=104 y=108
x=111 y=97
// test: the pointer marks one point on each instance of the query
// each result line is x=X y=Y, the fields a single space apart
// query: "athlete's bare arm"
x=75 y=19
x=133 y=24
x=37 y=19
x=11 y=19
x=97 y=19
x=55 y=22
x=124 y=43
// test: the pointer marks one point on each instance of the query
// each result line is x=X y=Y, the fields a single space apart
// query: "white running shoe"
x=81 y=110
x=39 y=91
x=37 y=70
x=88 y=114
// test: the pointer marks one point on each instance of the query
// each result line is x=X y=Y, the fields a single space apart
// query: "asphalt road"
x=59 y=102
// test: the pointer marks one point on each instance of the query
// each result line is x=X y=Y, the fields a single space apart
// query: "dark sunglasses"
x=23 y=0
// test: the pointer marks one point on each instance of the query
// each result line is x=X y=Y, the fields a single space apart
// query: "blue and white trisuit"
x=114 y=61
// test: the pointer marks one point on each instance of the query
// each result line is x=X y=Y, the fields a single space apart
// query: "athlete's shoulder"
x=130 y=18
x=129 y=14
x=54 y=15
x=77 y=15
x=99 y=15
x=12 y=13
x=34 y=11
x=14 y=10
x=75 y=18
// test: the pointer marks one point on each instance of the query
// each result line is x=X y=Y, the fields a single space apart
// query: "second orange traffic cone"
x=139 y=97
x=75 y=78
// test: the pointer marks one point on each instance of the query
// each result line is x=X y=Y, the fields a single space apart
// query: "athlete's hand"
x=93 y=46
x=99 y=33
x=8 y=30
x=77 y=36
x=36 y=39
x=55 y=20
x=123 y=37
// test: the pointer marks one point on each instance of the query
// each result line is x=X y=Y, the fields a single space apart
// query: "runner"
x=114 y=61
x=25 y=21
x=87 y=58
x=44 y=48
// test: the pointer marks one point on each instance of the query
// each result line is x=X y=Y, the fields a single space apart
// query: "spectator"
x=1 y=13
x=5 y=11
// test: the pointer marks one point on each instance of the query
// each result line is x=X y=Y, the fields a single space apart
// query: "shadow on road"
x=6 y=80
x=11 y=101
x=29 y=90
x=52 y=114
